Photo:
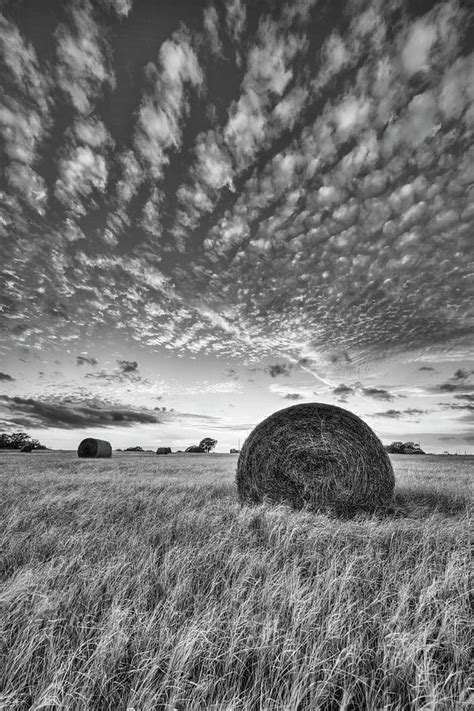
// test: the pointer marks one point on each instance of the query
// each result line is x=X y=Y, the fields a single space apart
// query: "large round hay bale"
x=317 y=456
x=94 y=448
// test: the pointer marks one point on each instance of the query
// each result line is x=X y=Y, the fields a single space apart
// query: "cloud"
x=83 y=169
x=4 y=377
x=121 y=7
x=426 y=367
x=27 y=183
x=465 y=396
x=22 y=65
x=83 y=67
x=461 y=374
x=454 y=387
x=126 y=371
x=73 y=415
x=25 y=119
x=236 y=14
x=343 y=391
x=128 y=366
x=421 y=37
x=469 y=406
x=70 y=414
x=205 y=388
x=81 y=173
x=268 y=73
x=377 y=394
x=293 y=396
x=287 y=222
x=278 y=369
x=398 y=414
x=158 y=129
x=211 y=25
x=298 y=10
x=82 y=360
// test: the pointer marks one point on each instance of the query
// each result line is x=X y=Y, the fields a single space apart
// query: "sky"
x=213 y=210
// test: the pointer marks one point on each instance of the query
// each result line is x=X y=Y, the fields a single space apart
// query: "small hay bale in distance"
x=194 y=449
x=317 y=456
x=94 y=448
x=163 y=450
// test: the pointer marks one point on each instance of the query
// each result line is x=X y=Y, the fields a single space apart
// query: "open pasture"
x=139 y=582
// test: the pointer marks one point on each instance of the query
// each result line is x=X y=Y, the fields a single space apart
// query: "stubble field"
x=140 y=583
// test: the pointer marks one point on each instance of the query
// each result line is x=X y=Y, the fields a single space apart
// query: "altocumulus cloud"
x=320 y=211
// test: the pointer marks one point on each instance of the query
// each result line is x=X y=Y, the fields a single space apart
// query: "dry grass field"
x=140 y=583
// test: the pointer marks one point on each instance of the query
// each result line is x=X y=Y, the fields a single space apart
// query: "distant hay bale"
x=163 y=450
x=194 y=449
x=94 y=448
x=315 y=455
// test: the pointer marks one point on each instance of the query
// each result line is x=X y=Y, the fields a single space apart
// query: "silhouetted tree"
x=207 y=444
x=404 y=448
x=19 y=440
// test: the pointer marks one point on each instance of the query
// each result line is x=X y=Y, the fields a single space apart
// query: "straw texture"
x=316 y=456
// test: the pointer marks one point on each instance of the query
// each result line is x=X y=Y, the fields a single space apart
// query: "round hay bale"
x=317 y=456
x=94 y=448
x=163 y=450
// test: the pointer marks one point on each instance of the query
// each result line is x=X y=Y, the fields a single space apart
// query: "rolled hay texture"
x=163 y=450
x=317 y=456
x=94 y=448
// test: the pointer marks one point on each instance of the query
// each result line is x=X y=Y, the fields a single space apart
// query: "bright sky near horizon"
x=212 y=210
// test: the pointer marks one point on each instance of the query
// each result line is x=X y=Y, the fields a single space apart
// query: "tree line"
x=404 y=448
x=21 y=441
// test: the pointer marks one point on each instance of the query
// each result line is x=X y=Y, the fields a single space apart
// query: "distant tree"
x=404 y=448
x=395 y=448
x=207 y=444
x=134 y=449
x=5 y=441
x=19 y=440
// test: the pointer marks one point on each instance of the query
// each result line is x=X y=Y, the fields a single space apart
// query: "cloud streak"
x=4 y=377
x=69 y=414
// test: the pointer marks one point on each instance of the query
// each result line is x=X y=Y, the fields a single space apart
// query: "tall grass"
x=140 y=583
